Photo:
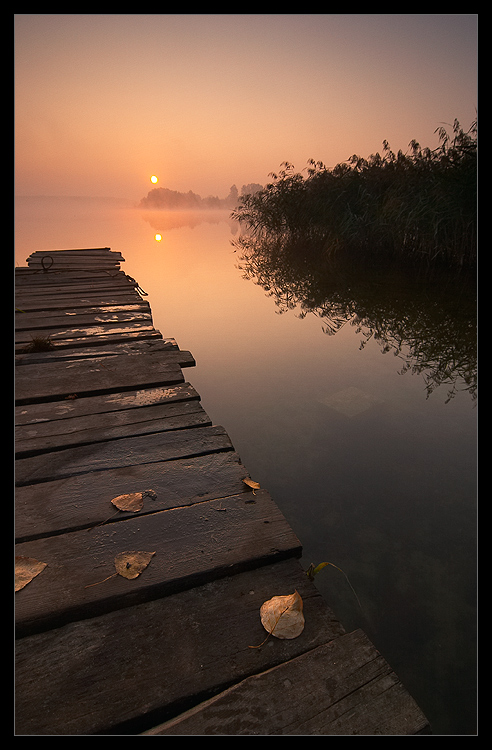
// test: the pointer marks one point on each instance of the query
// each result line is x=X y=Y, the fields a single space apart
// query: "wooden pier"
x=104 y=413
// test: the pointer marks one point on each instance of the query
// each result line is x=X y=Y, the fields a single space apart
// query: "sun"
x=154 y=179
x=158 y=237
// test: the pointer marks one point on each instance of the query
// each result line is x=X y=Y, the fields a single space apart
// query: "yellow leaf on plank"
x=250 y=483
x=282 y=616
x=132 y=502
x=128 y=564
x=26 y=568
x=131 y=564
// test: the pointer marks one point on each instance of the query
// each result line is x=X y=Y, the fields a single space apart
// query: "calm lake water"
x=375 y=472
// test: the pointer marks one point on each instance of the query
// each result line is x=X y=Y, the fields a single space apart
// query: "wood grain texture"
x=343 y=687
x=126 y=671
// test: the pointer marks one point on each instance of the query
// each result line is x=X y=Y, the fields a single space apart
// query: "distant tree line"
x=174 y=200
x=417 y=205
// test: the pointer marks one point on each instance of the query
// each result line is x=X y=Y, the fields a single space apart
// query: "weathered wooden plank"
x=104 y=339
x=73 y=263
x=35 y=265
x=97 y=428
x=66 y=292
x=66 y=282
x=69 y=354
x=68 y=250
x=120 y=453
x=192 y=545
x=37 y=382
x=96 y=252
x=130 y=669
x=84 y=501
x=343 y=687
x=36 y=269
x=50 y=417
x=34 y=414
x=59 y=334
x=46 y=321
x=137 y=346
x=76 y=283
x=48 y=302
x=133 y=307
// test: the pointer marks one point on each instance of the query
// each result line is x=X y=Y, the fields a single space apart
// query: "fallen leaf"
x=128 y=565
x=132 y=502
x=254 y=485
x=26 y=568
x=131 y=564
x=282 y=616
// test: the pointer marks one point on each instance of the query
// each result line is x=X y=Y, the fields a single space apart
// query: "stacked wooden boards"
x=103 y=411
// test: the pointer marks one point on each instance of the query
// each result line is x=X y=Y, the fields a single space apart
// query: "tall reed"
x=415 y=205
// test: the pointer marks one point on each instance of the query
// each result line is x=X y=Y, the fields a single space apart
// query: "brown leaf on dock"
x=282 y=616
x=26 y=568
x=128 y=564
x=250 y=483
x=131 y=564
x=131 y=502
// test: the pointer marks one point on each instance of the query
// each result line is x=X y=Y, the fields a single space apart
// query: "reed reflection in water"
x=425 y=317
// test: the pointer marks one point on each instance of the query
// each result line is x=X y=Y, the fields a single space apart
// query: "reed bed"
x=420 y=205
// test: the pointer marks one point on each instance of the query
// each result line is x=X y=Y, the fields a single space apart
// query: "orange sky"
x=102 y=102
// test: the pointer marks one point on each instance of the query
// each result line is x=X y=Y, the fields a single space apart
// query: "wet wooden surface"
x=103 y=410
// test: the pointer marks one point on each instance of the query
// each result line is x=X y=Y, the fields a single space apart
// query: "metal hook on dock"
x=46 y=269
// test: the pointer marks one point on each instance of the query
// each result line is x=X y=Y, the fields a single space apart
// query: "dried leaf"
x=132 y=502
x=282 y=616
x=131 y=564
x=26 y=568
x=254 y=485
x=128 y=565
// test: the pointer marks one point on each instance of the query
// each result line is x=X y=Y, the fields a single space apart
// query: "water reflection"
x=426 y=319
x=165 y=220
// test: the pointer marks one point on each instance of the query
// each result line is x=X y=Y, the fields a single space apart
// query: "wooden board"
x=126 y=671
x=343 y=687
x=59 y=354
x=97 y=428
x=192 y=545
x=38 y=382
x=146 y=449
x=44 y=414
x=139 y=346
x=61 y=335
x=46 y=302
x=143 y=333
x=46 y=321
x=73 y=283
x=84 y=500
x=131 y=307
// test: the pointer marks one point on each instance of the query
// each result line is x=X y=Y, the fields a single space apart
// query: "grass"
x=40 y=344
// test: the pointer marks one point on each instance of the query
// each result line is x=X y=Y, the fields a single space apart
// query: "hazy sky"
x=207 y=101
